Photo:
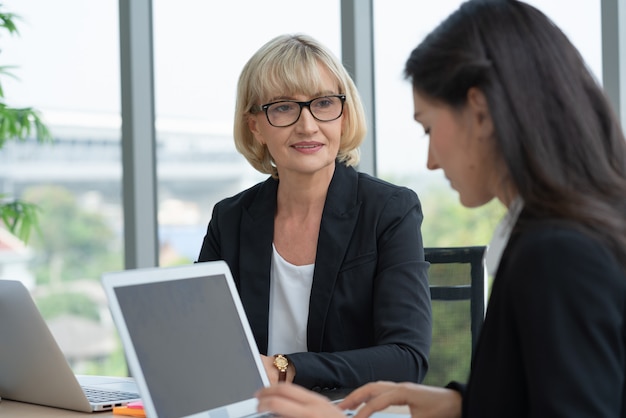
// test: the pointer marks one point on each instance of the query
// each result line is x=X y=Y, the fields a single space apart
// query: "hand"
x=423 y=401
x=272 y=371
x=293 y=401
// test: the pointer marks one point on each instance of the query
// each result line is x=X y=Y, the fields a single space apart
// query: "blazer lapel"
x=257 y=233
x=339 y=218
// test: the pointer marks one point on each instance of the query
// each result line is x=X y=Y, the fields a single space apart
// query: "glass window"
x=401 y=144
x=66 y=60
x=67 y=67
x=200 y=49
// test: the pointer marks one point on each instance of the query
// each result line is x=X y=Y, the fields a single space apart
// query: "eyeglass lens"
x=324 y=109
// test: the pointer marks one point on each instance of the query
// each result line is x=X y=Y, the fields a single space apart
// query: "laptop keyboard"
x=98 y=395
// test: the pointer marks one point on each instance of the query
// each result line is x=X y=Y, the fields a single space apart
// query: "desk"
x=25 y=410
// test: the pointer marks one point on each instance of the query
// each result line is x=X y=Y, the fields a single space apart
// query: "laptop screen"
x=183 y=332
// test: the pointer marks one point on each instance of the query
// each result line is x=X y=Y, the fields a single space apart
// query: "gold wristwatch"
x=281 y=363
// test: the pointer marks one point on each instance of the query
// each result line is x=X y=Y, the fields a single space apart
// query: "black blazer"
x=553 y=343
x=369 y=314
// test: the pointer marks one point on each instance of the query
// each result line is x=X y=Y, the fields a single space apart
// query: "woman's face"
x=462 y=145
x=309 y=145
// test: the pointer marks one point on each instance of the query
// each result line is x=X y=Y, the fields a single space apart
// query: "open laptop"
x=33 y=368
x=187 y=340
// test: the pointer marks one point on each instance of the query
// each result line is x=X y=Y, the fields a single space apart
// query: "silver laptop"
x=33 y=368
x=187 y=340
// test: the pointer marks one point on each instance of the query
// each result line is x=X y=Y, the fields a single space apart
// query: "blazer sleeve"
x=567 y=294
x=211 y=250
x=400 y=323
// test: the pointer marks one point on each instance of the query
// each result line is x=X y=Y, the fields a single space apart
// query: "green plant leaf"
x=20 y=218
x=17 y=124
x=7 y=22
x=6 y=70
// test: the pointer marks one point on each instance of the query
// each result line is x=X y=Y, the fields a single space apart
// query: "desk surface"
x=25 y=410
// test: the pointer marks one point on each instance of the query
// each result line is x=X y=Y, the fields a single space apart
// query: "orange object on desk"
x=133 y=409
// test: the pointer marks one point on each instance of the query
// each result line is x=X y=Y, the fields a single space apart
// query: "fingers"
x=284 y=408
x=365 y=393
x=422 y=401
x=375 y=397
x=289 y=400
x=388 y=396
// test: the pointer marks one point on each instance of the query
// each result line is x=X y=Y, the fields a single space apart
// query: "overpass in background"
x=194 y=158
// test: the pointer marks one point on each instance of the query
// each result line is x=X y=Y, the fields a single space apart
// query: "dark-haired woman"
x=513 y=113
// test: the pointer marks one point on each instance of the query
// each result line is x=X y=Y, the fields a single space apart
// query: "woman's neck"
x=299 y=194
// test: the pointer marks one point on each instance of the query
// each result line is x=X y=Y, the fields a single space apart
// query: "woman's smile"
x=307 y=147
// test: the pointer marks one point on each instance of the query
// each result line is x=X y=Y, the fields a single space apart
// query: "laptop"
x=33 y=368
x=187 y=340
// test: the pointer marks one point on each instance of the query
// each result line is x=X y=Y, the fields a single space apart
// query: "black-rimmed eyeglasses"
x=287 y=112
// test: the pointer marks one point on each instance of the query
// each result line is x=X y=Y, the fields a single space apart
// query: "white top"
x=501 y=237
x=290 y=290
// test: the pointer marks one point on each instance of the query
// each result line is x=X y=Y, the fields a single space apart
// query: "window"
x=67 y=64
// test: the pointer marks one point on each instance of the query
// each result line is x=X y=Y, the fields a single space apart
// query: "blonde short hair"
x=289 y=64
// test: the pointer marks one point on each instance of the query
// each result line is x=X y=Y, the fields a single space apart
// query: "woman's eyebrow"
x=313 y=96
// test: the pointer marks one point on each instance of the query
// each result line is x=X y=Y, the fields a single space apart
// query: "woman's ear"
x=254 y=128
x=477 y=104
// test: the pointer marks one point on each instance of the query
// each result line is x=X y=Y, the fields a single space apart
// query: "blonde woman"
x=329 y=262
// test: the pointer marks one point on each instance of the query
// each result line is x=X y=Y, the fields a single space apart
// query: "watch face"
x=281 y=362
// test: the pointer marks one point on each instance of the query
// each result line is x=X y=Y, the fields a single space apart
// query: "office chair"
x=457 y=288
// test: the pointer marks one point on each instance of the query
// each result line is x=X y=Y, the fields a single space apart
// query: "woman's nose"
x=306 y=119
x=431 y=162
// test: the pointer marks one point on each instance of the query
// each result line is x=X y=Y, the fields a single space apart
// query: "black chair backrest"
x=457 y=288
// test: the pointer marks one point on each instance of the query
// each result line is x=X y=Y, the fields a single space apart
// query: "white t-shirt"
x=290 y=291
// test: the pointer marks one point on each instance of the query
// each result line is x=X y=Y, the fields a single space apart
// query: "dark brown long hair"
x=554 y=126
